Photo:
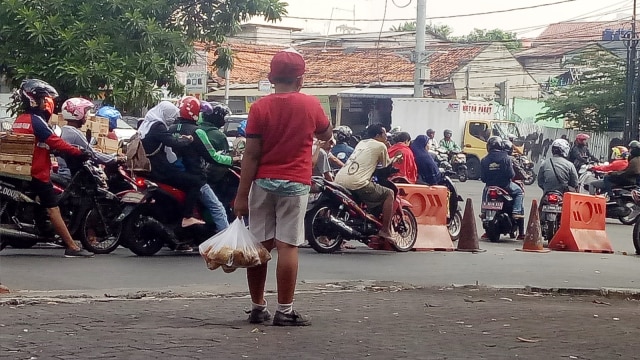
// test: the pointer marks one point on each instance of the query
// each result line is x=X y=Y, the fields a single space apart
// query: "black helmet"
x=495 y=143
x=217 y=114
x=507 y=146
x=33 y=92
x=448 y=132
x=343 y=133
x=430 y=131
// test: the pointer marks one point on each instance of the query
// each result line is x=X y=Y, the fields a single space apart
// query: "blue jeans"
x=518 y=198
x=215 y=207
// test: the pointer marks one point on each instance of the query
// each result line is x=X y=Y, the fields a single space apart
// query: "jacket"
x=154 y=143
x=216 y=137
x=580 y=155
x=199 y=151
x=428 y=171
x=67 y=165
x=497 y=169
x=615 y=165
x=407 y=166
x=567 y=175
x=631 y=173
x=45 y=140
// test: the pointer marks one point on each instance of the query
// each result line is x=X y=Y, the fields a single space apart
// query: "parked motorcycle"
x=526 y=166
x=497 y=209
x=92 y=213
x=337 y=215
x=550 y=214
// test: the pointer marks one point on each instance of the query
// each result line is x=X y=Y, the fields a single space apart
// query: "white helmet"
x=76 y=109
x=560 y=147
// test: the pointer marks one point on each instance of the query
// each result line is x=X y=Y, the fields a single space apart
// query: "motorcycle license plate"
x=552 y=208
x=492 y=205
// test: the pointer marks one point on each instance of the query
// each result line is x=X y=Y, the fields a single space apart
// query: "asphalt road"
x=501 y=265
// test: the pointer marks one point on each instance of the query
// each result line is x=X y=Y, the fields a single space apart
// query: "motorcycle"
x=338 y=215
x=157 y=221
x=92 y=213
x=226 y=187
x=550 y=213
x=497 y=209
x=620 y=205
x=526 y=166
x=452 y=161
x=635 y=194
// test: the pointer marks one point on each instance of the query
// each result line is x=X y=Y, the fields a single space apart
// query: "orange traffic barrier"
x=533 y=239
x=430 y=205
x=582 y=225
x=469 y=241
x=4 y=289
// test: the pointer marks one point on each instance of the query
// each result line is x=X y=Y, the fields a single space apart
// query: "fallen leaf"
x=600 y=302
x=506 y=299
x=527 y=340
x=473 y=300
x=256 y=330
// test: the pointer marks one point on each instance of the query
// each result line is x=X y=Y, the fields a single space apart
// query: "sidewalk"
x=384 y=322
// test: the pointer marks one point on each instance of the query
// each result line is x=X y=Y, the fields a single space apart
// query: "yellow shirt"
x=359 y=168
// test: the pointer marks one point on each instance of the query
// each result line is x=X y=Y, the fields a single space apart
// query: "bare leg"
x=61 y=228
x=286 y=272
x=387 y=214
x=257 y=277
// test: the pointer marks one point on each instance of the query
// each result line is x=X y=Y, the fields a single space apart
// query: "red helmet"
x=582 y=137
x=189 y=108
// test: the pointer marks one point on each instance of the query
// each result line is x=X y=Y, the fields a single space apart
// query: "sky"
x=526 y=23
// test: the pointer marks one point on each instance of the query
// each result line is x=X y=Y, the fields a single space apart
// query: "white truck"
x=471 y=122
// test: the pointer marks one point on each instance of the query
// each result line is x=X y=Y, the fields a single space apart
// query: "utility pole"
x=419 y=56
x=466 y=81
x=634 y=83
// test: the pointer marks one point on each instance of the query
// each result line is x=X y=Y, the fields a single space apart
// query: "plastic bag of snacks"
x=233 y=248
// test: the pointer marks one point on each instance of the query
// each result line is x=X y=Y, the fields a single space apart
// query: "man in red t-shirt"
x=276 y=178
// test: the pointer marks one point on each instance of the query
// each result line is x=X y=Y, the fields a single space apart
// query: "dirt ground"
x=377 y=323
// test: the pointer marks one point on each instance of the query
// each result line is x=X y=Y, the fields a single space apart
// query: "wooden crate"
x=108 y=146
x=12 y=158
x=17 y=144
x=16 y=169
x=97 y=128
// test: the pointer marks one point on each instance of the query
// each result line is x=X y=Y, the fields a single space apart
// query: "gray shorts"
x=278 y=217
x=374 y=195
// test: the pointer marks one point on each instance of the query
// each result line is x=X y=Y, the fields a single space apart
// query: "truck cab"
x=474 y=141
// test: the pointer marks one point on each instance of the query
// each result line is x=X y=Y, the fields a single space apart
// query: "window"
x=479 y=130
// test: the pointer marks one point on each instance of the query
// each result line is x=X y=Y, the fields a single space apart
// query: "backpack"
x=137 y=158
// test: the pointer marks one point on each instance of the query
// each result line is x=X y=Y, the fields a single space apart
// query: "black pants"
x=186 y=182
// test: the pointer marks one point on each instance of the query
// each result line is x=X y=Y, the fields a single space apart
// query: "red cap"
x=286 y=64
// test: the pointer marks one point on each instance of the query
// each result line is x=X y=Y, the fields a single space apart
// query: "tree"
x=509 y=39
x=596 y=95
x=440 y=31
x=122 y=49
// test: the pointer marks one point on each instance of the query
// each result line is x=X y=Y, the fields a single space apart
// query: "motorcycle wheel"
x=98 y=237
x=462 y=175
x=405 y=231
x=455 y=225
x=531 y=177
x=631 y=218
x=145 y=235
x=493 y=233
x=318 y=230
x=636 y=237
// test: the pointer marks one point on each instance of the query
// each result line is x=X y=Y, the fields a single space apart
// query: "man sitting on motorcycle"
x=407 y=166
x=213 y=119
x=619 y=162
x=557 y=174
x=629 y=176
x=432 y=143
x=449 y=144
x=357 y=172
x=75 y=111
x=579 y=154
x=196 y=153
x=497 y=170
x=36 y=99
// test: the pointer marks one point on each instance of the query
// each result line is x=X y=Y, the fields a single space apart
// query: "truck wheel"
x=473 y=168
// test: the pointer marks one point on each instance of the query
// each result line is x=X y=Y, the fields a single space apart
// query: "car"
x=123 y=131
x=231 y=125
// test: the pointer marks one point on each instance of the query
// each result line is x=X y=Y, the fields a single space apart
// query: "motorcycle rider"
x=432 y=143
x=196 y=153
x=515 y=150
x=629 y=176
x=213 y=119
x=580 y=154
x=75 y=112
x=557 y=173
x=111 y=113
x=428 y=171
x=357 y=172
x=407 y=165
x=36 y=100
x=158 y=143
x=449 y=144
x=320 y=159
x=342 y=151
x=619 y=162
x=240 y=141
x=497 y=170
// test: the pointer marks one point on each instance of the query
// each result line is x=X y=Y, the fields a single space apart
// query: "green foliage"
x=594 y=97
x=440 y=31
x=122 y=49
x=508 y=39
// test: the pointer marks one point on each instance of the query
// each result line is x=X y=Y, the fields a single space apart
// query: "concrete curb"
x=618 y=293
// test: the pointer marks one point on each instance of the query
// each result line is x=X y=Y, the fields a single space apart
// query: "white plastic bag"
x=233 y=248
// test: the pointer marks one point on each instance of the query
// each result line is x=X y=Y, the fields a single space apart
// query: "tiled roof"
x=580 y=31
x=344 y=66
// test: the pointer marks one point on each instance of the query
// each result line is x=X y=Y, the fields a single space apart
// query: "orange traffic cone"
x=533 y=238
x=468 y=233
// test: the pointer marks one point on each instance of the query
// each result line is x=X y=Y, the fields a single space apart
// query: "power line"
x=434 y=17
